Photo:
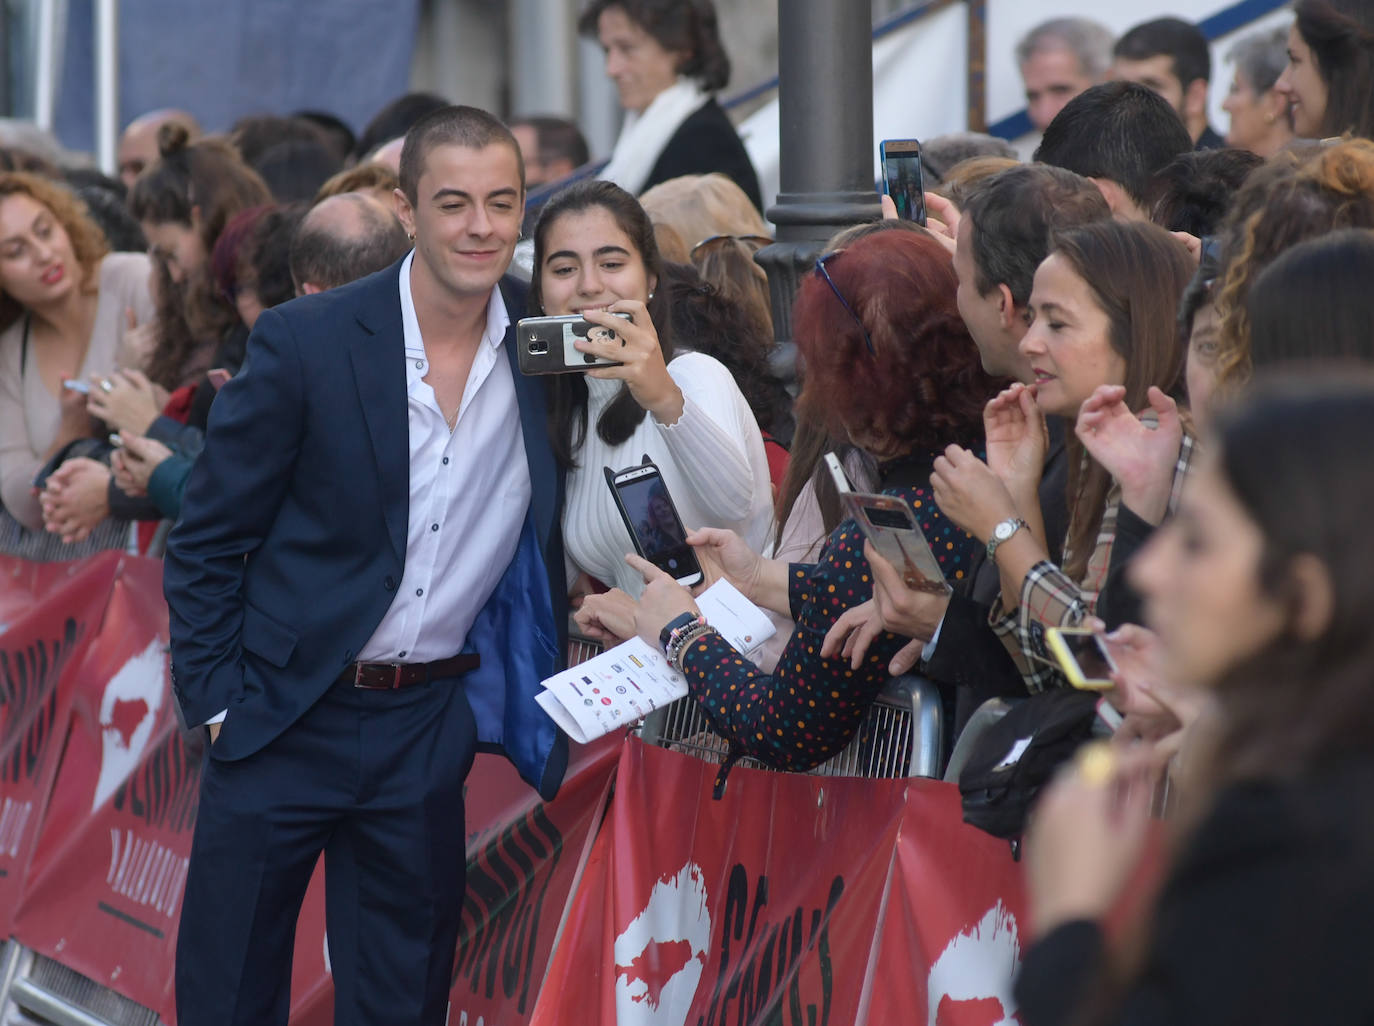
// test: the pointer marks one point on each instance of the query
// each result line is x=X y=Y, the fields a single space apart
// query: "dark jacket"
x=1265 y=918
x=707 y=142
x=292 y=538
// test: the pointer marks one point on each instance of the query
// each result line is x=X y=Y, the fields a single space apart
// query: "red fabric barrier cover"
x=98 y=791
x=795 y=899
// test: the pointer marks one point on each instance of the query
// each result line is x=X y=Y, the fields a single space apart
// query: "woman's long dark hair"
x=209 y=180
x=568 y=392
x=1314 y=301
x=1340 y=34
x=707 y=321
x=1137 y=273
x=1287 y=453
x=686 y=27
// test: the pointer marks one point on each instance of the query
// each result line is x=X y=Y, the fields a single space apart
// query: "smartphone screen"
x=1085 y=647
x=903 y=179
x=656 y=526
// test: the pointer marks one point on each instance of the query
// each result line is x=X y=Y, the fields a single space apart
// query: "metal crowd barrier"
x=38 y=991
x=901 y=735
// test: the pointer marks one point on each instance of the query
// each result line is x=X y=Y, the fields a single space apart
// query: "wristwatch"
x=1003 y=532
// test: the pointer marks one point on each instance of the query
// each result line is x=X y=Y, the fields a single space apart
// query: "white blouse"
x=712 y=461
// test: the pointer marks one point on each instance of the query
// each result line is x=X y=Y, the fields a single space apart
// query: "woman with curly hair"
x=64 y=302
x=1294 y=197
x=890 y=366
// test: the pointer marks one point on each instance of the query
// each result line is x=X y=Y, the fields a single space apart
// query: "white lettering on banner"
x=146 y=872
x=128 y=712
x=463 y=1019
x=978 y=965
x=14 y=817
x=660 y=958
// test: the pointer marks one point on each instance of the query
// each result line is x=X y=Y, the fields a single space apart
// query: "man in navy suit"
x=365 y=587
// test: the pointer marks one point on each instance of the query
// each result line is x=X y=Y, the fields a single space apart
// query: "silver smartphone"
x=548 y=344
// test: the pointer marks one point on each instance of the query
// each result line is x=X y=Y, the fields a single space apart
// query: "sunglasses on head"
x=820 y=269
x=754 y=242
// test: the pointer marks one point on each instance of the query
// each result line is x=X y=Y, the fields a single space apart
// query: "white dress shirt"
x=469 y=493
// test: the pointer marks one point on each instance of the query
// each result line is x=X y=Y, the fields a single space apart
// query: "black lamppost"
x=825 y=106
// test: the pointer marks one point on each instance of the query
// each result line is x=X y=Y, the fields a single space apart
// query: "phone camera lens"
x=538 y=347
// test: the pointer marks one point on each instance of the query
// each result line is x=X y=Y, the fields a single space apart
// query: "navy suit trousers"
x=374 y=780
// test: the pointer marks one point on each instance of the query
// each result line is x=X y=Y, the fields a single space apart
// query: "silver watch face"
x=1004 y=530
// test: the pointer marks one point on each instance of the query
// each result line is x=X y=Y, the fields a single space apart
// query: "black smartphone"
x=547 y=344
x=903 y=179
x=652 y=520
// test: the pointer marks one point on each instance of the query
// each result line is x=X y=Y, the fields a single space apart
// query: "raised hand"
x=1141 y=459
x=1016 y=438
x=636 y=347
x=969 y=493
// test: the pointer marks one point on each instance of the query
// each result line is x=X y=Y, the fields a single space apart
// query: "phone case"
x=905 y=546
x=688 y=574
x=1063 y=655
x=545 y=345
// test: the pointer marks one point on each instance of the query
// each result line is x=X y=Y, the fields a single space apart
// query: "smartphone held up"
x=548 y=345
x=903 y=179
x=653 y=522
x=1082 y=655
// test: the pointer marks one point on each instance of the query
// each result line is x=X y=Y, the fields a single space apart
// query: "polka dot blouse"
x=809 y=709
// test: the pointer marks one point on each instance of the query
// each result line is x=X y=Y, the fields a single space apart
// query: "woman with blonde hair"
x=64 y=303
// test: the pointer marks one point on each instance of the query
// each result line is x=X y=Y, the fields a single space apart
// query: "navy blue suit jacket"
x=292 y=539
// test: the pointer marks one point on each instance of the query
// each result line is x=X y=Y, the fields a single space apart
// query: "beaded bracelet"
x=683 y=640
x=685 y=623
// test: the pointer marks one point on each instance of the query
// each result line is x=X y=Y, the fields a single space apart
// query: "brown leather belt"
x=391 y=676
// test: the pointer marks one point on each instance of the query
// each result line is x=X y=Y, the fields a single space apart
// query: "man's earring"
x=651 y=295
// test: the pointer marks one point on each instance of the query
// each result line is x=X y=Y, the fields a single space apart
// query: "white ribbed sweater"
x=712 y=461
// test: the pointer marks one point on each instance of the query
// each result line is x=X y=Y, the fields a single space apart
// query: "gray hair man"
x=1059 y=59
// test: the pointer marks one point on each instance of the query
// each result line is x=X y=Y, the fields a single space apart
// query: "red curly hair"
x=925 y=388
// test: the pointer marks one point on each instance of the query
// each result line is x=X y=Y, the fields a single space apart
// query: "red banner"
x=50 y=613
x=793 y=900
x=98 y=792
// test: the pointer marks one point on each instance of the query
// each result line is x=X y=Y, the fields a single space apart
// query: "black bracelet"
x=676 y=623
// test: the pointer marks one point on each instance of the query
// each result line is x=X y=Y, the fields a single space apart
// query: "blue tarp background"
x=222 y=59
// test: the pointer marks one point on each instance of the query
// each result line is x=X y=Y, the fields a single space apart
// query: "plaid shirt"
x=1050 y=598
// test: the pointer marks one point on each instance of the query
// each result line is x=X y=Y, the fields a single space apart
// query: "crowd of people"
x=1120 y=386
